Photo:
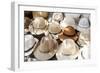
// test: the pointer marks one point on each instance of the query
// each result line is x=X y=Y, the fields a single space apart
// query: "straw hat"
x=40 y=14
x=30 y=43
x=68 y=32
x=54 y=27
x=84 y=38
x=58 y=16
x=68 y=21
x=67 y=50
x=39 y=25
x=83 y=25
x=46 y=49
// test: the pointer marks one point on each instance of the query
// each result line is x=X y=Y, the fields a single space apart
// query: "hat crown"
x=70 y=31
x=68 y=47
x=68 y=21
x=48 y=44
x=54 y=27
x=57 y=16
x=84 y=22
x=39 y=22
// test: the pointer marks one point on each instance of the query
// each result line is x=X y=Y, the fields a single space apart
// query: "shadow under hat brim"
x=43 y=56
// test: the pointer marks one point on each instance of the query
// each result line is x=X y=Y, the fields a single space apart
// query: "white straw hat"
x=83 y=25
x=30 y=43
x=68 y=21
x=58 y=16
x=46 y=49
x=67 y=50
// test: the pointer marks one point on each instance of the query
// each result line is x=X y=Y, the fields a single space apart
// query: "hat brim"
x=62 y=37
x=44 y=56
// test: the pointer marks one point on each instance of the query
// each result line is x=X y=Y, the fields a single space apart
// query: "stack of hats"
x=56 y=35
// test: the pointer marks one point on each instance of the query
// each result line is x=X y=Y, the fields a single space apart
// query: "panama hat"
x=46 y=49
x=68 y=21
x=68 y=32
x=40 y=14
x=54 y=27
x=30 y=43
x=83 y=25
x=67 y=50
x=38 y=25
x=58 y=16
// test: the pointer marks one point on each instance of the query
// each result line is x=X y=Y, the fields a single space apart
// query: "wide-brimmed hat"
x=38 y=25
x=68 y=32
x=68 y=21
x=58 y=16
x=46 y=49
x=83 y=25
x=67 y=50
x=30 y=44
x=40 y=14
x=54 y=27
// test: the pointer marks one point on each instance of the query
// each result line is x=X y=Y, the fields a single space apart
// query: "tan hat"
x=54 y=27
x=40 y=14
x=46 y=49
x=68 y=21
x=39 y=25
x=68 y=32
x=67 y=50
x=30 y=44
x=58 y=16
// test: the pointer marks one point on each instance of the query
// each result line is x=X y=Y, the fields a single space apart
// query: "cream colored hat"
x=54 y=27
x=83 y=25
x=39 y=25
x=58 y=16
x=67 y=50
x=84 y=38
x=68 y=21
x=30 y=42
x=73 y=15
x=46 y=49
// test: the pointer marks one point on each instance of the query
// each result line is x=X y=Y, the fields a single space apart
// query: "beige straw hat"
x=39 y=25
x=54 y=27
x=46 y=49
